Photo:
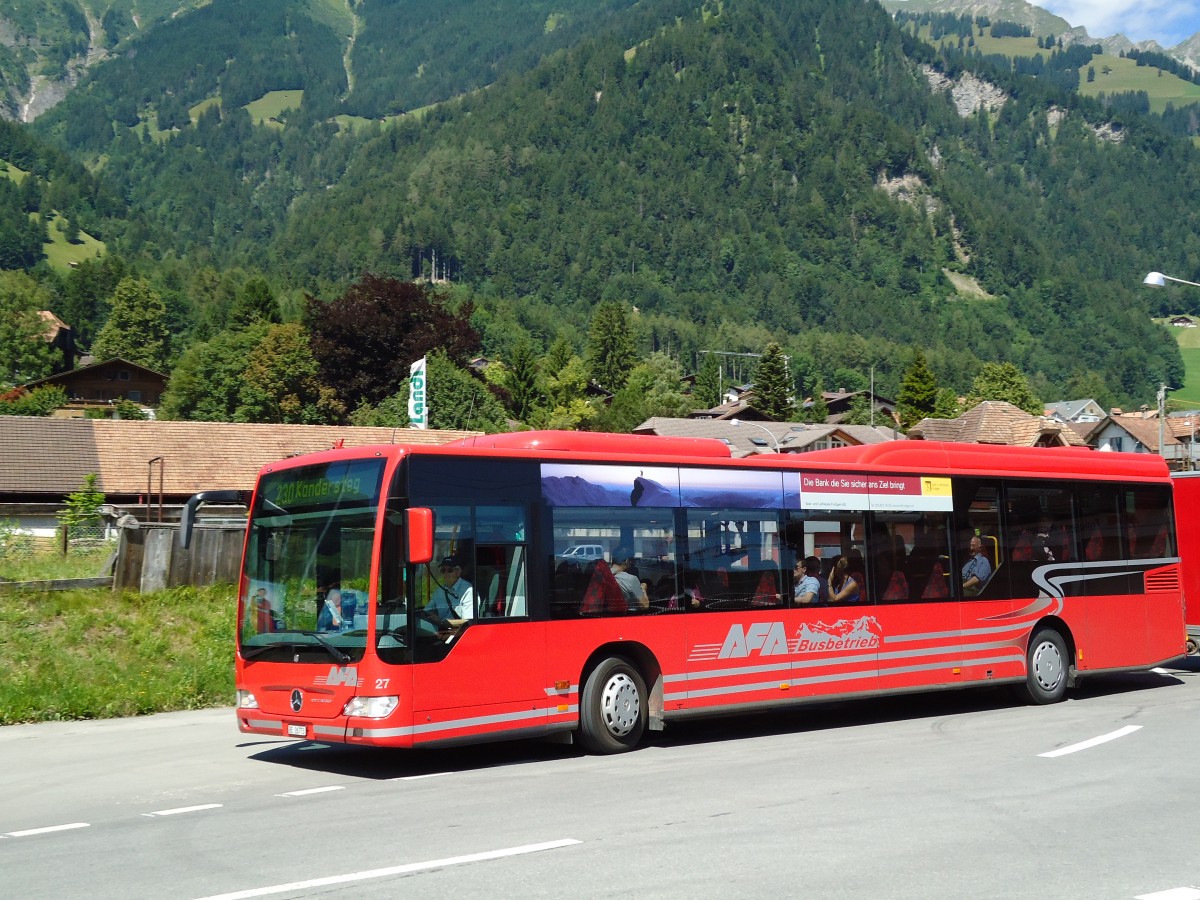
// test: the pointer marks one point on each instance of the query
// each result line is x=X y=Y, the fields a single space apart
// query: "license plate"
x=297 y=731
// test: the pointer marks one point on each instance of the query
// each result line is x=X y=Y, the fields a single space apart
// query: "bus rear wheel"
x=1047 y=668
x=612 y=713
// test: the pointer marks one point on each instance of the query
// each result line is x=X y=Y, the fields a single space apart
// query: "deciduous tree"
x=365 y=341
x=1004 y=381
x=136 y=329
x=25 y=355
x=280 y=383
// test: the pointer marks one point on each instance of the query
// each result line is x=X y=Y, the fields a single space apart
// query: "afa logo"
x=768 y=638
x=347 y=675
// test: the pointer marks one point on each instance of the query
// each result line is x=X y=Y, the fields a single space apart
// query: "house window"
x=1117 y=444
x=123 y=375
x=135 y=396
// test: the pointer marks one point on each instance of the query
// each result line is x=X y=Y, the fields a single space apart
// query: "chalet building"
x=998 y=422
x=149 y=469
x=739 y=404
x=99 y=385
x=1076 y=411
x=747 y=437
x=1138 y=434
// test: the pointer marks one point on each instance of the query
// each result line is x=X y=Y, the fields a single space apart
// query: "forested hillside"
x=730 y=173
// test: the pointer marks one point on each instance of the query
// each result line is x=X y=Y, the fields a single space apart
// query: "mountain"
x=737 y=171
x=47 y=46
x=1042 y=23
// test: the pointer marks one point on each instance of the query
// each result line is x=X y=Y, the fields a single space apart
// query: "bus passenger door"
x=484 y=675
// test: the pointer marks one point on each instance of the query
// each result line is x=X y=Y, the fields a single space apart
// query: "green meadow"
x=1114 y=75
x=1188 y=396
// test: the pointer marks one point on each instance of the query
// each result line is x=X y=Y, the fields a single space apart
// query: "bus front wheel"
x=1047 y=667
x=612 y=714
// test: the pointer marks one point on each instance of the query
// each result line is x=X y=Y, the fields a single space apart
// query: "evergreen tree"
x=521 y=379
x=707 y=393
x=25 y=355
x=918 y=392
x=1004 y=381
x=946 y=406
x=254 y=303
x=610 y=352
x=773 y=386
x=136 y=329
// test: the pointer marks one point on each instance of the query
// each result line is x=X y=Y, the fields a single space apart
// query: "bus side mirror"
x=187 y=516
x=419 y=534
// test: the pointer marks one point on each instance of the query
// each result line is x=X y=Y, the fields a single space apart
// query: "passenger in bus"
x=842 y=586
x=977 y=569
x=454 y=598
x=1047 y=542
x=807 y=591
x=631 y=586
x=330 y=617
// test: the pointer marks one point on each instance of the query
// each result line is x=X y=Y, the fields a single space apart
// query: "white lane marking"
x=1158 y=670
x=1183 y=893
x=419 y=777
x=31 y=831
x=183 y=809
x=1092 y=742
x=320 y=790
x=394 y=870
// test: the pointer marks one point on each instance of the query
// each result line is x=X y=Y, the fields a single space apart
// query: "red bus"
x=1187 y=502
x=419 y=596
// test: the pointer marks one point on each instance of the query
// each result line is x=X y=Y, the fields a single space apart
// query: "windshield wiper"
x=334 y=651
x=331 y=649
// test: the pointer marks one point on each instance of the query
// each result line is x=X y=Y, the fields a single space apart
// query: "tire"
x=1048 y=667
x=612 y=712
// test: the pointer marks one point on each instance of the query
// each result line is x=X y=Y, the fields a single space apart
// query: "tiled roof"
x=44 y=455
x=752 y=437
x=1145 y=431
x=995 y=422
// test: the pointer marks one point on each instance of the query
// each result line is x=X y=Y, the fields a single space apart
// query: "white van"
x=583 y=553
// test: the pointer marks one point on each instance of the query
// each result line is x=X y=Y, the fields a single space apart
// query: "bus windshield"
x=308 y=563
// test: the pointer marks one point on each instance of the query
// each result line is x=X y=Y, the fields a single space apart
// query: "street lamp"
x=736 y=423
x=1158 y=279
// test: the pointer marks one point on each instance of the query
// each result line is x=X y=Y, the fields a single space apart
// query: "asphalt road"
x=965 y=794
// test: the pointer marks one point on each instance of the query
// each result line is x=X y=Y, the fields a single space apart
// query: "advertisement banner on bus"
x=882 y=493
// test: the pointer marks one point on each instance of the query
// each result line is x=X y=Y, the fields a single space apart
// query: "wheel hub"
x=1047 y=666
x=620 y=705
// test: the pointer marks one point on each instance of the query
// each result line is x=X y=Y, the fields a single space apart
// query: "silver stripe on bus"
x=263 y=723
x=435 y=727
x=329 y=732
x=827 y=679
x=1052 y=584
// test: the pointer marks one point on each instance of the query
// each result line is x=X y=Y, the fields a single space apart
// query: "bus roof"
x=598 y=442
x=902 y=455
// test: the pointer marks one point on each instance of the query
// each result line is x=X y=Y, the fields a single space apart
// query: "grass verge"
x=98 y=654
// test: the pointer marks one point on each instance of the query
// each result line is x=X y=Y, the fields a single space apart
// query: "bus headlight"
x=371 y=707
x=246 y=700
